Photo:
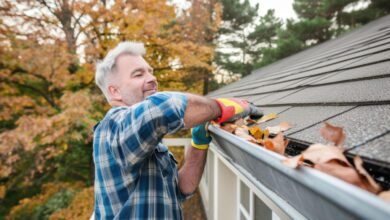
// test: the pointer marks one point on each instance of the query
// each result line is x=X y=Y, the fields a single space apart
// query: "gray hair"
x=106 y=66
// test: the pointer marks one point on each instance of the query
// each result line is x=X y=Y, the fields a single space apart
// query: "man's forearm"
x=199 y=110
x=191 y=172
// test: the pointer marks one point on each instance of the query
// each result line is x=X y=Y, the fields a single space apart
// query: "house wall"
x=228 y=194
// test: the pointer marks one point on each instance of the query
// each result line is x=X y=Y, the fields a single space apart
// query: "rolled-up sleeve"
x=167 y=109
x=142 y=126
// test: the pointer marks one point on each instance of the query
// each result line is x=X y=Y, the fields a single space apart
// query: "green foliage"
x=319 y=21
x=42 y=211
x=376 y=9
x=266 y=29
x=14 y=195
x=58 y=201
x=287 y=44
x=79 y=164
x=214 y=85
x=237 y=17
x=308 y=31
x=308 y=9
x=238 y=14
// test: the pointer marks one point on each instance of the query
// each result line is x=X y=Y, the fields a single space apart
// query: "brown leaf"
x=266 y=134
x=240 y=122
x=319 y=153
x=284 y=126
x=267 y=117
x=260 y=141
x=345 y=173
x=250 y=121
x=242 y=132
x=367 y=180
x=215 y=124
x=293 y=162
x=256 y=132
x=277 y=144
x=333 y=134
x=331 y=160
x=348 y=174
x=385 y=196
x=229 y=127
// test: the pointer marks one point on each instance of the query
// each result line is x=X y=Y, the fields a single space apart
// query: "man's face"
x=134 y=79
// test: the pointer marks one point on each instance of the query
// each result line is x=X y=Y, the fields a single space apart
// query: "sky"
x=283 y=8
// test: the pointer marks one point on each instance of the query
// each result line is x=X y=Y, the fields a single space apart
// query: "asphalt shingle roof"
x=345 y=81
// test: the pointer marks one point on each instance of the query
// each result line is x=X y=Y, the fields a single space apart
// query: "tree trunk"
x=205 y=82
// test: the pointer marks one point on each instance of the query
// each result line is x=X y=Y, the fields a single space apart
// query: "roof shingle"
x=345 y=81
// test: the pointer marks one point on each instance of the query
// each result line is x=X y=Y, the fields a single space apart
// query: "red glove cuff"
x=226 y=112
x=229 y=111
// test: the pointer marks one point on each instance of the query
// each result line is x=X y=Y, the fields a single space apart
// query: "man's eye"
x=137 y=74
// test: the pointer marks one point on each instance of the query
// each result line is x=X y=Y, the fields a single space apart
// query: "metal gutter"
x=283 y=209
x=314 y=194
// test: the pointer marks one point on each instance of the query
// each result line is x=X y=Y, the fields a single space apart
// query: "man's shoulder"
x=168 y=99
x=112 y=117
x=116 y=113
x=162 y=96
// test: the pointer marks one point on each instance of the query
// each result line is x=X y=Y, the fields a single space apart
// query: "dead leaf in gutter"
x=319 y=153
x=229 y=127
x=348 y=174
x=277 y=144
x=256 y=132
x=316 y=154
x=326 y=158
x=331 y=160
x=284 y=126
x=250 y=121
x=266 y=134
x=243 y=133
x=267 y=117
x=333 y=134
x=293 y=162
x=240 y=122
x=345 y=173
x=367 y=180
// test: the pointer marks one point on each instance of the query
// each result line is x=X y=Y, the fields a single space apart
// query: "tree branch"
x=37 y=91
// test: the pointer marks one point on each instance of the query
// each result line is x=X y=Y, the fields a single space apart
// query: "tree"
x=314 y=24
x=361 y=16
x=49 y=101
x=269 y=41
x=233 y=51
x=264 y=38
x=319 y=21
x=324 y=19
x=203 y=23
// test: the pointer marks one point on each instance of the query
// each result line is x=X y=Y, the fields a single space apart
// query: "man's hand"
x=233 y=109
x=200 y=137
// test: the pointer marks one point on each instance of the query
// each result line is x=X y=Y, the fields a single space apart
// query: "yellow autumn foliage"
x=3 y=190
x=49 y=102
x=28 y=205
x=81 y=207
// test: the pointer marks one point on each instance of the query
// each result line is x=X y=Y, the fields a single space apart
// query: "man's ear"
x=114 y=93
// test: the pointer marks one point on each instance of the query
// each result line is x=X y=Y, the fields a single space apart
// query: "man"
x=135 y=175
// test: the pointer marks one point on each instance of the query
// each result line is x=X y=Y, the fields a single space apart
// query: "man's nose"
x=151 y=77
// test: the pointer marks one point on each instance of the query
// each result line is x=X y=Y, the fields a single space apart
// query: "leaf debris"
x=328 y=158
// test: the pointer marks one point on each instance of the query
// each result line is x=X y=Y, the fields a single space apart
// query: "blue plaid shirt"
x=135 y=175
